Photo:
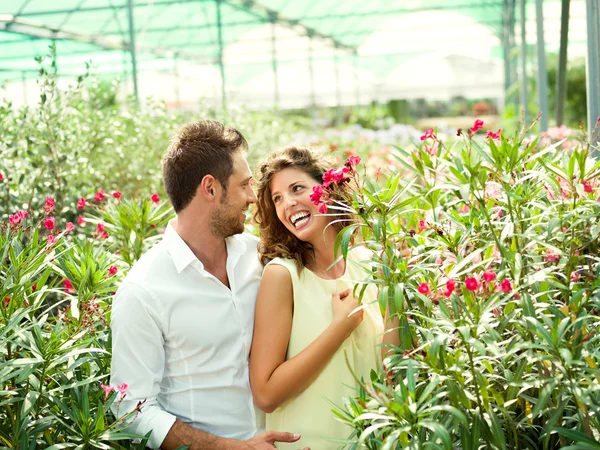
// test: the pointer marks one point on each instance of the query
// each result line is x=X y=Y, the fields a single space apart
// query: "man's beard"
x=226 y=220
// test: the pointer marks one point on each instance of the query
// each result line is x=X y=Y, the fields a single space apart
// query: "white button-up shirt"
x=181 y=340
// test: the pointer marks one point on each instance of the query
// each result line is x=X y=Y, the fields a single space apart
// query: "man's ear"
x=208 y=188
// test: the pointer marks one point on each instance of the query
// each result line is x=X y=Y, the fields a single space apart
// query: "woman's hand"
x=347 y=314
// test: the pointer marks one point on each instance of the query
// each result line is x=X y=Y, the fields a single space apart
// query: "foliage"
x=497 y=301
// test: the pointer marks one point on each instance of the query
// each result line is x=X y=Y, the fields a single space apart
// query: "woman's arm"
x=273 y=379
x=391 y=335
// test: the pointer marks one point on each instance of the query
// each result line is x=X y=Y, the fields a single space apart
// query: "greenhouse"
x=262 y=224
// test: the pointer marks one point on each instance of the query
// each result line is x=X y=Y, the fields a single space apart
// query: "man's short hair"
x=204 y=147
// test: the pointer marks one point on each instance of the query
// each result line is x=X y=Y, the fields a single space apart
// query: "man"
x=183 y=318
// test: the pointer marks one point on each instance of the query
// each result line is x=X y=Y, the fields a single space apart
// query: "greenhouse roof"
x=375 y=38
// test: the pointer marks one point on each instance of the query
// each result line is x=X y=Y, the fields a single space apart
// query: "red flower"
x=81 y=203
x=428 y=134
x=34 y=288
x=317 y=193
x=17 y=217
x=102 y=234
x=49 y=206
x=6 y=301
x=100 y=196
x=478 y=125
x=80 y=220
x=155 y=198
x=587 y=187
x=505 y=286
x=450 y=285
x=68 y=286
x=323 y=208
x=112 y=270
x=471 y=284
x=49 y=223
x=492 y=135
x=334 y=175
x=117 y=195
x=424 y=288
x=489 y=276
x=1 y=177
x=353 y=161
x=69 y=227
x=422 y=225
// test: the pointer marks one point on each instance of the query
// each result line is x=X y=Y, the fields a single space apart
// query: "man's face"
x=229 y=215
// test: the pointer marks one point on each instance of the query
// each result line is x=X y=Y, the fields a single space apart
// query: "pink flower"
x=428 y=134
x=575 y=276
x=101 y=231
x=317 y=193
x=422 y=225
x=49 y=206
x=323 y=208
x=505 y=285
x=587 y=187
x=100 y=196
x=80 y=220
x=489 y=276
x=464 y=209
x=424 y=288
x=69 y=227
x=551 y=256
x=18 y=217
x=471 y=284
x=334 y=175
x=107 y=390
x=493 y=190
x=492 y=135
x=478 y=125
x=51 y=239
x=49 y=223
x=122 y=388
x=1 y=177
x=112 y=270
x=352 y=162
x=117 y=195
x=81 y=203
x=69 y=289
x=450 y=285
x=155 y=198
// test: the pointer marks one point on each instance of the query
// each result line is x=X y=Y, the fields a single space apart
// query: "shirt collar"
x=183 y=256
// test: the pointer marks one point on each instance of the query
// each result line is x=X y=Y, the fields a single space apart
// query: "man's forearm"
x=181 y=435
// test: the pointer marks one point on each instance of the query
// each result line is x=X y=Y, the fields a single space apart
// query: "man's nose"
x=252 y=198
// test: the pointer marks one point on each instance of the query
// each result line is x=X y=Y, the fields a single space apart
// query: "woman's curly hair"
x=276 y=239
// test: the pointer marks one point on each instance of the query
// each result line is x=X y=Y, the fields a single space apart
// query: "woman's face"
x=290 y=193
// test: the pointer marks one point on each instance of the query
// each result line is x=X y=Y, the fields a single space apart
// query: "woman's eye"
x=276 y=199
x=296 y=188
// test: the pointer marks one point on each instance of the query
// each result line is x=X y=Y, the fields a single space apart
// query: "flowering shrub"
x=488 y=255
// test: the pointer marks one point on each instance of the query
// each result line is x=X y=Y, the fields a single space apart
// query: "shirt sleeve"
x=138 y=359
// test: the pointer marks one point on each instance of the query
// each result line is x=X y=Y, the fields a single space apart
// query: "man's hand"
x=266 y=441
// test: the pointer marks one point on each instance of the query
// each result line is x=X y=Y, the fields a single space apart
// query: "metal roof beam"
x=11 y=24
x=271 y=15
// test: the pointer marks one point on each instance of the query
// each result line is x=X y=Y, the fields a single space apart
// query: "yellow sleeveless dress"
x=309 y=414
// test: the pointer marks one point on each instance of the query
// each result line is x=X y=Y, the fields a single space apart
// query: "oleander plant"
x=486 y=253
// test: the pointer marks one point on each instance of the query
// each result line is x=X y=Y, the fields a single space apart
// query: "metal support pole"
x=274 y=63
x=338 y=92
x=561 y=76
x=523 y=91
x=220 y=60
x=506 y=47
x=132 y=48
x=356 y=78
x=542 y=72
x=176 y=74
x=593 y=62
x=311 y=73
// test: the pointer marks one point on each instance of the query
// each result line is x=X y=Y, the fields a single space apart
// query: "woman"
x=307 y=330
